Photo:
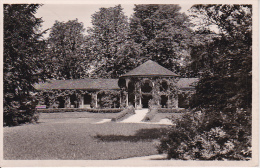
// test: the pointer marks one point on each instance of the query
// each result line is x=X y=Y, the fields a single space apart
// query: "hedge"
x=61 y=110
x=149 y=116
x=124 y=113
x=168 y=110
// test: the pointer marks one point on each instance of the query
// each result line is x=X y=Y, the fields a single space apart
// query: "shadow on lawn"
x=141 y=135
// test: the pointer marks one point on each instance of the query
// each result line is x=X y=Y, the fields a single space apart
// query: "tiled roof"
x=87 y=84
x=150 y=68
x=187 y=83
x=101 y=84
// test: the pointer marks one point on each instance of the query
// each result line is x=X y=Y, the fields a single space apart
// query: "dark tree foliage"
x=226 y=60
x=66 y=51
x=23 y=62
x=163 y=34
x=218 y=136
x=157 y=32
x=221 y=127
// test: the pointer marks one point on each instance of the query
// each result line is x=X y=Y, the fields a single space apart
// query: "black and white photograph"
x=129 y=84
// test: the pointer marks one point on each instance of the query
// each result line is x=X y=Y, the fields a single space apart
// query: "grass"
x=141 y=135
x=77 y=137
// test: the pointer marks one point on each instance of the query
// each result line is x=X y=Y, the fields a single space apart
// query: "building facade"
x=148 y=85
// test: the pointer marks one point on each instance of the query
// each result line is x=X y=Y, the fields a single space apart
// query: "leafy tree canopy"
x=107 y=38
x=225 y=58
x=23 y=61
x=220 y=128
x=163 y=34
x=66 y=51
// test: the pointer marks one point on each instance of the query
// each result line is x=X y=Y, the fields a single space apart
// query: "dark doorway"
x=87 y=99
x=145 y=100
x=61 y=102
x=47 y=102
x=74 y=101
x=131 y=94
x=164 y=100
x=164 y=86
x=131 y=99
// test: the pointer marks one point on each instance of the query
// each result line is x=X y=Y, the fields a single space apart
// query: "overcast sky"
x=65 y=12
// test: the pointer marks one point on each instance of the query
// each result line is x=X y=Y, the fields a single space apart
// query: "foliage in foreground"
x=210 y=136
x=223 y=129
x=23 y=64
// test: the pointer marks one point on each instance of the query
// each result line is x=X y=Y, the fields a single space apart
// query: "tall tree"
x=163 y=33
x=66 y=50
x=23 y=62
x=226 y=57
x=221 y=127
x=107 y=38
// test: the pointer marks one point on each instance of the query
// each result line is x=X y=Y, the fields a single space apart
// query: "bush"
x=18 y=112
x=61 y=110
x=209 y=136
x=149 y=116
x=169 y=110
x=124 y=113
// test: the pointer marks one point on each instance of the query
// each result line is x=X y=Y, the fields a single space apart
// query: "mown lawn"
x=79 y=137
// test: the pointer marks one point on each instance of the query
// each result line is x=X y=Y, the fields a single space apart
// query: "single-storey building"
x=147 y=85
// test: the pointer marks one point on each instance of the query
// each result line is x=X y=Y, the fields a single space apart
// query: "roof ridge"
x=150 y=68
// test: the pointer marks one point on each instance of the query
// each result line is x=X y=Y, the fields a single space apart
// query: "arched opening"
x=87 y=99
x=145 y=100
x=164 y=100
x=164 y=86
x=73 y=101
x=147 y=87
x=61 y=102
x=131 y=93
x=121 y=82
x=47 y=102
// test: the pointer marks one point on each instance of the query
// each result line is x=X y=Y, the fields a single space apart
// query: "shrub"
x=129 y=110
x=152 y=103
x=18 y=112
x=61 y=110
x=149 y=116
x=169 y=110
x=209 y=136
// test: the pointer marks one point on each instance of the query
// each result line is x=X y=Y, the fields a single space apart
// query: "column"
x=127 y=99
x=176 y=101
x=120 y=99
x=127 y=81
x=140 y=100
x=168 y=105
x=68 y=102
x=96 y=99
x=135 y=100
x=82 y=101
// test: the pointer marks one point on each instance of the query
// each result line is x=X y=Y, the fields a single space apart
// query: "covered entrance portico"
x=149 y=85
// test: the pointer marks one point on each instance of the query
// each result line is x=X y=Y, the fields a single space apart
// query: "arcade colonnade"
x=144 y=92
x=147 y=85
